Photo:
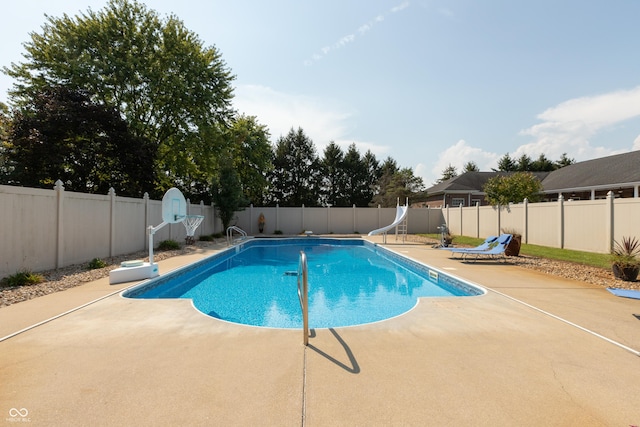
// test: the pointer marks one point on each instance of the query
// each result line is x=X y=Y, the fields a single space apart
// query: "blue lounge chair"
x=481 y=247
x=496 y=249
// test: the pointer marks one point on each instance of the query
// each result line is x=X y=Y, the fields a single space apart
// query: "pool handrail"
x=303 y=295
x=238 y=230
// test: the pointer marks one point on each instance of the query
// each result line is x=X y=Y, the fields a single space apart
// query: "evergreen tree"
x=334 y=176
x=506 y=164
x=564 y=161
x=471 y=167
x=295 y=178
x=448 y=173
x=357 y=189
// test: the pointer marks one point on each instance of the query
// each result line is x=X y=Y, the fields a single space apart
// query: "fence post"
x=278 y=216
x=525 y=225
x=112 y=222
x=203 y=229
x=147 y=220
x=355 y=225
x=477 y=219
x=251 y=219
x=461 y=221
x=213 y=219
x=328 y=218
x=59 y=188
x=610 y=226
x=561 y=208
x=498 y=219
x=302 y=213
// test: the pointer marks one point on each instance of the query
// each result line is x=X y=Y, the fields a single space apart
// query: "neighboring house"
x=591 y=179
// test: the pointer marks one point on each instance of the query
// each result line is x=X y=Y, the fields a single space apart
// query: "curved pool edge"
x=472 y=289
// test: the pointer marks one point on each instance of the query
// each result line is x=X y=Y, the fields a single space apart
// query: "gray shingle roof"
x=605 y=171
x=610 y=170
x=470 y=182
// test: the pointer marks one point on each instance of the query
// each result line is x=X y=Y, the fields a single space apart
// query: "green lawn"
x=587 y=258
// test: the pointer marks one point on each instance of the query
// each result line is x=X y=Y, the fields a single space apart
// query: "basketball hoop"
x=191 y=223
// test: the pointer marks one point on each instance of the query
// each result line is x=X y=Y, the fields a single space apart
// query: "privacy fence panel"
x=626 y=218
x=488 y=223
x=28 y=226
x=86 y=220
x=586 y=232
x=130 y=232
x=543 y=226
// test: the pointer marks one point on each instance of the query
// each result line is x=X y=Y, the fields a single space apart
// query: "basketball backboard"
x=174 y=206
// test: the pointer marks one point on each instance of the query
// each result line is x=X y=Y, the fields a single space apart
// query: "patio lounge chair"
x=496 y=249
x=481 y=247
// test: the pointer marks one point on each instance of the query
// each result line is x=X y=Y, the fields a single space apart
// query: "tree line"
x=124 y=98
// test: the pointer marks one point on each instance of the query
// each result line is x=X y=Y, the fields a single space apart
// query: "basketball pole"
x=152 y=231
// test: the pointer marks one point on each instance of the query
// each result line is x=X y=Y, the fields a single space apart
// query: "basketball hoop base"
x=133 y=274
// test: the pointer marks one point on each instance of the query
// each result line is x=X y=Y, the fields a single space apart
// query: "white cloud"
x=570 y=126
x=350 y=38
x=457 y=156
x=320 y=119
x=401 y=6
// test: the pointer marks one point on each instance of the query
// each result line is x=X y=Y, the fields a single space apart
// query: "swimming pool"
x=351 y=282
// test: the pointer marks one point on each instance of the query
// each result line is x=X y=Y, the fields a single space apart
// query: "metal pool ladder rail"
x=303 y=295
x=230 y=230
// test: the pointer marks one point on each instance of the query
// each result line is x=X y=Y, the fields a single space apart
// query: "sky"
x=430 y=83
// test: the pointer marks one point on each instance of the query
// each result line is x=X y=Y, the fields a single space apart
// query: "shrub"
x=168 y=245
x=217 y=235
x=21 y=278
x=277 y=232
x=206 y=238
x=96 y=263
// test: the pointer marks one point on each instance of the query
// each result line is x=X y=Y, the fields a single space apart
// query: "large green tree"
x=154 y=71
x=62 y=134
x=251 y=156
x=513 y=188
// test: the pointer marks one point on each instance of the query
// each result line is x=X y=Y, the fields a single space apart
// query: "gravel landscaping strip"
x=79 y=274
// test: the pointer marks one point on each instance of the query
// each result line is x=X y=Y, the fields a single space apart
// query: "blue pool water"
x=351 y=282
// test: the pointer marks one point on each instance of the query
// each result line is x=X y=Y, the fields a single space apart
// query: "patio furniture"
x=496 y=249
x=481 y=247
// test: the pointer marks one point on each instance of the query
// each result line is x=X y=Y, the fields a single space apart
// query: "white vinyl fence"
x=46 y=229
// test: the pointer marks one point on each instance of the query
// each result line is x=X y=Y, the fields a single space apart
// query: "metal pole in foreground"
x=303 y=294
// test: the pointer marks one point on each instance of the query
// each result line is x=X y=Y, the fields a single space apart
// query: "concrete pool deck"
x=496 y=359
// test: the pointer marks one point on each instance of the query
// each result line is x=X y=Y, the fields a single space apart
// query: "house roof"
x=470 y=182
x=605 y=171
